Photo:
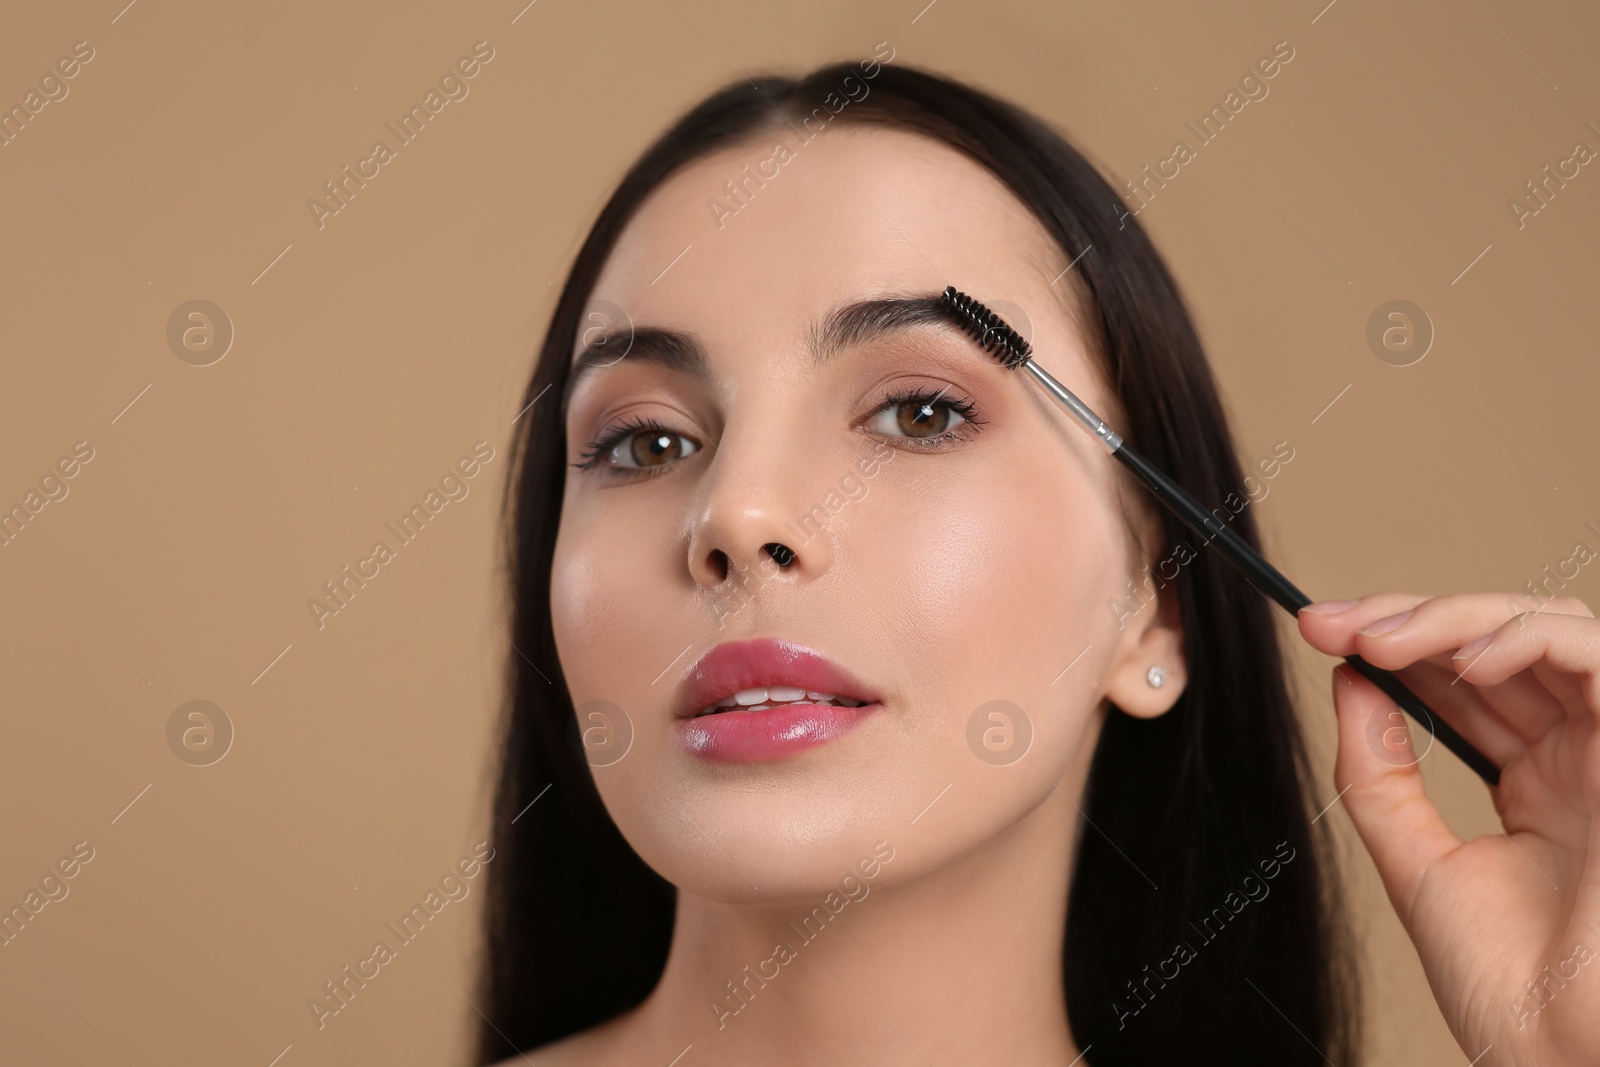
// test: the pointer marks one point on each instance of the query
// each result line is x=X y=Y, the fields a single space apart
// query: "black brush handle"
x=1265 y=577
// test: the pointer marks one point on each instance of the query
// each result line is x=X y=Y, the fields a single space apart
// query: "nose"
x=753 y=523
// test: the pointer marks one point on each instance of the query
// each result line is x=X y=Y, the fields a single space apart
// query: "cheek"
x=998 y=580
x=999 y=586
x=579 y=602
x=604 y=608
x=608 y=616
x=977 y=586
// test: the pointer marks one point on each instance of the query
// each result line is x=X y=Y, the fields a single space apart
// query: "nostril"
x=781 y=553
x=719 y=564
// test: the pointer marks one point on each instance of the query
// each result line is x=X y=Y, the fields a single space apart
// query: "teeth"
x=774 y=696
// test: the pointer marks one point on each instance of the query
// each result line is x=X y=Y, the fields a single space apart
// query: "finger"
x=1381 y=784
x=1531 y=702
x=1329 y=628
x=1416 y=642
x=1441 y=622
x=1570 y=644
x=1335 y=632
x=1566 y=688
x=1433 y=628
x=1524 y=701
x=1465 y=708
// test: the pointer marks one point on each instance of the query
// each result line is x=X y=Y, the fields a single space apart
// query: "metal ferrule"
x=1075 y=407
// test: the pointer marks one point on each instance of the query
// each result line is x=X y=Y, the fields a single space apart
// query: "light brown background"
x=378 y=349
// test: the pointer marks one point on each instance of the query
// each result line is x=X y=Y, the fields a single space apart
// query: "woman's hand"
x=1507 y=925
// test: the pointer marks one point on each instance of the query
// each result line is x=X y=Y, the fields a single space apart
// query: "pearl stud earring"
x=1155 y=676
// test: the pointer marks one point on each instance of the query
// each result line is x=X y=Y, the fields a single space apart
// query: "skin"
x=902 y=588
x=1486 y=915
x=975 y=568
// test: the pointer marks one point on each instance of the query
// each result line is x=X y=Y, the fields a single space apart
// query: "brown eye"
x=651 y=448
x=919 y=417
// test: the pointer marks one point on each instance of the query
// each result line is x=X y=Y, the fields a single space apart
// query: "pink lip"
x=751 y=736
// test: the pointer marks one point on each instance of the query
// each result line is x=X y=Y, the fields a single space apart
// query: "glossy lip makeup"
x=766 y=699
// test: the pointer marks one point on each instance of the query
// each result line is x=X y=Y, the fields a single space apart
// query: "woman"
x=865 y=712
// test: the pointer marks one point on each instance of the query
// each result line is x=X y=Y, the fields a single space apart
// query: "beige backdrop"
x=372 y=352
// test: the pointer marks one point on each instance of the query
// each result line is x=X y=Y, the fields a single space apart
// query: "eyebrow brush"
x=1011 y=350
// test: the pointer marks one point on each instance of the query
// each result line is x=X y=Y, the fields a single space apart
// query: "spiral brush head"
x=988 y=329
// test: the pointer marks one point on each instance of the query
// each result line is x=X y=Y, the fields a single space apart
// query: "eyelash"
x=961 y=405
x=595 y=453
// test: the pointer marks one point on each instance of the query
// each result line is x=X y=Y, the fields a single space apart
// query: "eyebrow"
x=846 y=325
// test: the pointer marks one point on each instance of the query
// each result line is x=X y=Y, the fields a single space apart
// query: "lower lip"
x=754 y=736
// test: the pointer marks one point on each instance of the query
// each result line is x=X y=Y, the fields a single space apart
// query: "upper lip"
x=762 y=663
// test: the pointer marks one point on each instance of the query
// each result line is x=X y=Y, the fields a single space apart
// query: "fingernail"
x=1385 y=624
x=1470 y=650
x=1329 y=607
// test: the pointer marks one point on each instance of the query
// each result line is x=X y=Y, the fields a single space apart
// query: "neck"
x=961 y=964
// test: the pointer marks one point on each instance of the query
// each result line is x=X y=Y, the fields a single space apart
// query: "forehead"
x=758 y=237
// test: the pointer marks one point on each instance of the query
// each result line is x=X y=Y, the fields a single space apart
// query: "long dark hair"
x=1199 y=835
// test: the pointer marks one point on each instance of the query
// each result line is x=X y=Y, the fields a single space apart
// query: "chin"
x=788 y=830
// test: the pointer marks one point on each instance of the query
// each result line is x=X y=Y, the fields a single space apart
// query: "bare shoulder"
x=598 y=1046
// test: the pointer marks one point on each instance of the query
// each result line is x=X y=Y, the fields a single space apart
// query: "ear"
x=1151 y=637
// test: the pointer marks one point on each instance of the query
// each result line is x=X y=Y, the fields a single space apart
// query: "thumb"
x=1378 y=774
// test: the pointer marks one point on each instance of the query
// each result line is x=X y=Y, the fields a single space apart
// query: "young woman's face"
x=956 y=541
